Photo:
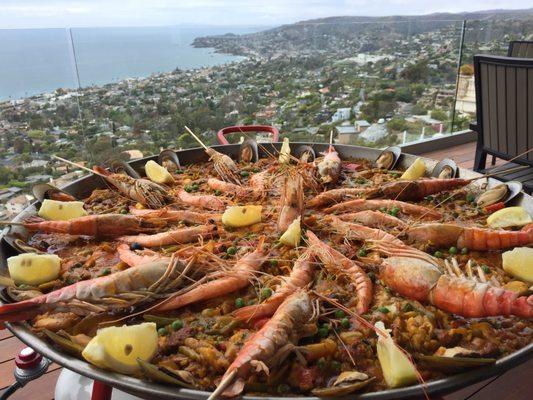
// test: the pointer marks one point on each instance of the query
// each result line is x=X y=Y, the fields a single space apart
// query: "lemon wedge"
x=117 y=348
x=508 y=217
x=33 y=268
x=517 y=262
x=397 y=369
x=157 y=173
x=416 y=170
x=285 y=152
x=291 y=237
x=239 y=216
x=55 y=210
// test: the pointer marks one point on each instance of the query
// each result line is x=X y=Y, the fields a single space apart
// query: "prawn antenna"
x=195 y=137
x=224 y=383
x=77 y=165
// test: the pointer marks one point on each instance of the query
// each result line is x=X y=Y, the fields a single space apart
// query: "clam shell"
x=66 y=344
x=169 y=157
x=341 y=390
x=388 y=157
x=162 y=375
x=305 y=153
x=445 y=169
x=43 y=191
x=248 y=151
x=453 y=364
x=121 y=167
x=503 y=192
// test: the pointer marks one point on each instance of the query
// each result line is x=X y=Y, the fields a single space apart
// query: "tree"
x=417 y=72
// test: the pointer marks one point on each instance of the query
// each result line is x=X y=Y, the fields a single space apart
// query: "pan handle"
x=246 y=128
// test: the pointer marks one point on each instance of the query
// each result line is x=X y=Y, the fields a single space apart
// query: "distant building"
x=38 y=178
x=133 y=154
x=17 y=204
x=361 y=125
x=342 y=114
x=466 y=94
x=346 y=133
x=375 y=132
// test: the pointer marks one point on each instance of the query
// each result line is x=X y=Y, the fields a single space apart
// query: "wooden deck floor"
x=515 y=384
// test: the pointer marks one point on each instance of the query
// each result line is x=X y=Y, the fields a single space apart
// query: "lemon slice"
x=55 y=210
x=117 y=348
x=517 y=263
x=416 y=170
x=33 y=269
x=285 y=152
x=157 y=173
x=293 y=234
x=239 y=216
x=397 y=369
x=510 y=216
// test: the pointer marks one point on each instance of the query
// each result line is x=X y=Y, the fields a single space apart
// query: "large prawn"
x=175 y=236
x=291 y=201
x=337 y=263
x=471 y=237
x=171 y=215
x=300 y=276
x=453 y=292
x=237 y=278
x=329 y=169
x=263 y=349
x=404 y=208
x=232 y=189
x=417 y=189
x=206 y=201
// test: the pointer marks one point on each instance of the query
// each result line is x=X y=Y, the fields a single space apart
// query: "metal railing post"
x=459 y=62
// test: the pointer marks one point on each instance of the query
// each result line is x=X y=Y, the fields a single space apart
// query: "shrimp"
x=292 y=201
x=101 y=225
x=417 y=190
x=237 y=278
x=373 y=219
x=300 y=276
x=176 y=236
x=337 y=263
x=133 y=259
x=471 y=237
x=405 y=208
x=334 y=195
x=143 y=191
x=119 y=290
x=171 y=215
x=230 y=188
x=207 y=201
x=259 y=181
x=224 y=166
x=264 y=347
x=329 y=169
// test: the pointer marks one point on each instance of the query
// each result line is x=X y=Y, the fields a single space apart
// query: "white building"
x=342 y=114
x=17 y=204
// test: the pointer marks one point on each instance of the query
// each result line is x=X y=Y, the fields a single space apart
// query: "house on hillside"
x=375 y=132
x=346 y=133
x=342 y=114
x=17 y=204
x=361 y=125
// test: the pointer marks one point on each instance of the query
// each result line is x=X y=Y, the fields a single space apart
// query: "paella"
x=292 y=274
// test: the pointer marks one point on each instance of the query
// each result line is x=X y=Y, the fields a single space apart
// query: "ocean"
x=34 y=61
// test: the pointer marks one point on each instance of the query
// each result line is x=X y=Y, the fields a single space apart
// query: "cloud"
x=67 y=13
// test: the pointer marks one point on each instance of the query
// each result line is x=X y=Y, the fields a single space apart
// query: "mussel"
x=346 y=383
x=388 y=158
x=503 y=192
x=47 y=191
x=121 y=167
x=451 y=364
x=169 y=159
x=305 y=153
x=65 y=343
x=248 y=151
x=445 y=169
x=163 y=375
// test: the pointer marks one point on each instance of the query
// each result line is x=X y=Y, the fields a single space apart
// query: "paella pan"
x=304 y=272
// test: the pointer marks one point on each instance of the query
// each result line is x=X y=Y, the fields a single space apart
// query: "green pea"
x=283 y=388
x=429 y=198
x=177 y=324
x=123 y=211
x=274 y=263
x=372 y=276
x=438 y=254
x=345 y=323
x=245 y=173
x=464 y=251
x=255 y=170
x=362 y=252
x=383 y=310
x=321 y=363
x=195 y=186
x=188 y=189
x=106 y=271
x=239 y=302
x=339 y=314
x=178 y=172
x=470 y=197
x=266 y=293
x=407 y=307
x=323 y=333
x=383 y=209
x=218 y=192
x=453 y=250
x=485 y=269
x=162 y=331
x=231 y=250
x=394 y=212
x=335 y=365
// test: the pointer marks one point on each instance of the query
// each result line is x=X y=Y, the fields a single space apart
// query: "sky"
x=92 y=13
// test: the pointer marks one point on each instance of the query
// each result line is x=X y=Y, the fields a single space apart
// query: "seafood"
x=418 y=189
x=329 y=169
x=405 y=208
x=133 y=259
x=373 y=219
x=224 y=166
x=230 y=281
x=471 y=237
x=335 y=195
x=292 y=201
x=183 y=235
x=458 y=294
x=300 y=277
x=170 y=215
x=102 y=225
x=144 y=191
x=284 y=328
x=206 y=201
x=230 y=188
x=339 y=264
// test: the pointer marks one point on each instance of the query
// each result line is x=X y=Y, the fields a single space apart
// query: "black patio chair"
x=520 y=49
x=504 y=108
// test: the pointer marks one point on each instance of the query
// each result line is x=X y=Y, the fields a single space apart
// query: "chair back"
x=520 y=49
x=504 y=102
